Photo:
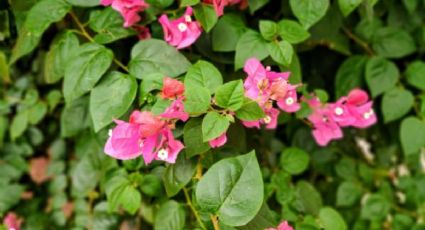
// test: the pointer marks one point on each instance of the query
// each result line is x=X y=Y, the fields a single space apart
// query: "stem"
x=198 y=174
x=195 y=213
x=359 y=41
x=83 y=32
x=214 y=221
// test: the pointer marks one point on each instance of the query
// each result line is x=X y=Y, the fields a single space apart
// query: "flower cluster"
x=266 y=87
x=353 y=110
x=129 y=9
x=151 y=136
x=148 y=135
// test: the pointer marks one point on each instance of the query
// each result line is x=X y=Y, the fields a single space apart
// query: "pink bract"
x=219 y=141
x=129 y=9
x=176 y=111
x=11 y=221
x=282 y=226
x=172 y=88
x=181 y=32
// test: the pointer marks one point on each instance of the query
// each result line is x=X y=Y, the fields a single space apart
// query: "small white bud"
x=182 y=27
x=163 y=154
x=339 y=111
x=289 y=101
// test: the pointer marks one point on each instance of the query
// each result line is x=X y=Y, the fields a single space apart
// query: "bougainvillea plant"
x=212 y=114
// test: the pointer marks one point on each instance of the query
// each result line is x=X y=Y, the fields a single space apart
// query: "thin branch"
x=83 y=32
x=359 y=41
x=195 y=212
x=214 y=221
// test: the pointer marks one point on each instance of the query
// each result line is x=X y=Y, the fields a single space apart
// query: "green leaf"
x=19 y=124
x=251 y=44
x=198 y=99
x=184 y=3
x=127 y=197
x=265 y=218
x=250 y=111
x=37 y=112
x=381 y=75
x=108 y=24
x=160 y=106
x=308 y=199
x=151 y=185
x=294 y=160
x=204 y=74
x=233 y=189
x=376 y=207
x=9 y=196
x=192 y=136
x=111 y=98
x=255 y=5
x=4 y=124
x=75 y=117
x=348 y=6
x=170 y=216
x=309 y=12
x=225 y=35
x=156 y=56
x=85 y=69
x=412 y=131
x=206 y=15
x=84 y=3
x=415 y=74
x=177 y=175
x=38 y=19
x=292 y=31
x=230 y=95
x=396 y=103
x=4 y=68
x=331 y=219
x=214 y=125
x=62 y=49
x=268 y=29
x=348 y=193
x=281 y=52
x=350 y=75
x=392 y=42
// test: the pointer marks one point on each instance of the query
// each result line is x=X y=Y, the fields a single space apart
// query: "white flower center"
x=289 y=101
x=163 y=154
x=267 y=119
x=187 y=18
x=339 y=111
x=182 y=27
x=110 y=133
x=268 y=68
x=368 y=114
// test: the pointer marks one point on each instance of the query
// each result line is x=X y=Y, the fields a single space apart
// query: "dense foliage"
x=212 y=114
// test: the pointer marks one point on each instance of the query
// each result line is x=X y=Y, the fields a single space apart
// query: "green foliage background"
x=68 y=67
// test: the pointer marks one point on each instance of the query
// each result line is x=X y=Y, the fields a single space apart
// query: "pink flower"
x=282 y=226
x=181 y=32
x=219 y=141
x=128 y=9
x=220 y=4
x=263 y=85
x=176 y=111
x=270 y=120
x=325 y=129
x=144 y=135
x=161 y=146
x=12 y=222
x=289 y=103
x=361 y=108
x=143 y=32
x=172 y=88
